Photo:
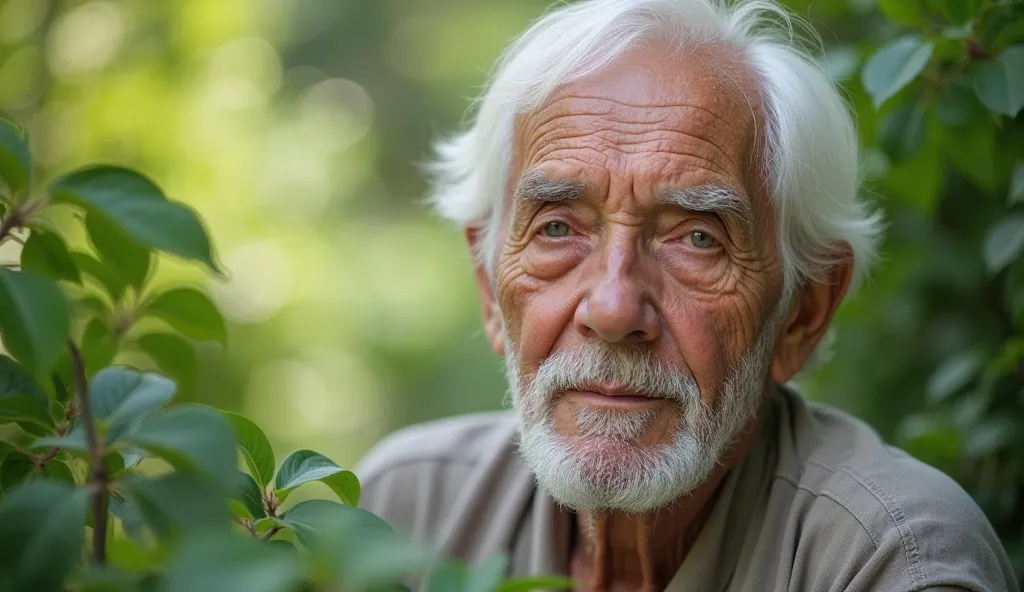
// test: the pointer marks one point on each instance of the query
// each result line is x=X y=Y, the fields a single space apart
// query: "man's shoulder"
x=460 y=440
x=916 y=523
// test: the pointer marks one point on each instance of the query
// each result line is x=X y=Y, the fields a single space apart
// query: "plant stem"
x=98 y=478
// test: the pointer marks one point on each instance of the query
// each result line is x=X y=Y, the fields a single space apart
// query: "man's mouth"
x=610 y=396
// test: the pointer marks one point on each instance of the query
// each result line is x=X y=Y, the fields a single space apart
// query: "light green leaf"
x=189 y=311
x=15 y=160
x=42 y=535
x=174 y=356
x=99 y=346
x=139 y=207
x=121 y=397
x=530 y=583
x=448 y=577
x=894 y=66
x=1000 y=83
x=487 y=576
x=34 y=319
x=107 y=276
x=191 y=437
x=953 y=375
x=250 y=494
x=226 y=562
x=25 y=409
x=303 y=466
x=14 y=380
x=46 y=253
x=179 y=502
x=91 y=305
x=75 y=441
x=1017 y=184
x=113 y=245
x=1004 y=242
x=255 y=447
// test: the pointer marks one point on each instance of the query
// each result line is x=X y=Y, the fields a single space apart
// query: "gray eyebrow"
x=534 y=185
x=717 y=199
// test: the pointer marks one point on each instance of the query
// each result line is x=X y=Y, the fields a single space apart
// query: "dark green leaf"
x=46 y=253
x=1000 y=83
x=1017 y=184
x=227 y=563
x=903 y=131
x=121 y=397
x=33 y=319
x=255 y=447
x=530 y=583
x=894 y=66
x=99 y=346
x=131 y=259
x=251 y=496
x=128 y=513
x=178 y=502
x=957 y=105
x=15 y=469
x=104 y=273
x=189 y=311
x=487 y=576
x=42 y=533
x=303 y=466
x=1004 y=242
x=105 y=578
x=191 y=437
x=14 y=380
x=955 y=11
x=448 y=577
x=174 y=356
x=59 y=471
x=908 y=12
x=139 y=208
x=25 y=409
x=15 y=161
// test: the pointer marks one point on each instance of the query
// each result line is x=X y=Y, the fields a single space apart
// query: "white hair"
x=810 y=144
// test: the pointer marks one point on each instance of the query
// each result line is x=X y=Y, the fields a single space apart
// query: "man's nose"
x=617 y=308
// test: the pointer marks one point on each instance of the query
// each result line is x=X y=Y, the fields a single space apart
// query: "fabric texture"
x=820 y=503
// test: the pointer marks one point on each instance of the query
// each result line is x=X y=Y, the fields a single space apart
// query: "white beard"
x=604 y=466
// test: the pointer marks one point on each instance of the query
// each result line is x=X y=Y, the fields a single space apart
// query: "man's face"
x=637 y=269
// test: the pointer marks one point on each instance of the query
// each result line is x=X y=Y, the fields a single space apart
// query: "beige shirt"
x=819 y=503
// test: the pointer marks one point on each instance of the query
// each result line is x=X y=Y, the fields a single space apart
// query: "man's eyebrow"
x=717 y=199
x=534 y=185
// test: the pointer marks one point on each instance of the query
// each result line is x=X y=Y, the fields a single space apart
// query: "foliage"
x=96 y=449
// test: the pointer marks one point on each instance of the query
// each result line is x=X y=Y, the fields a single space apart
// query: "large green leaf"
x=25 y=410
x=15 y=160
x=488 y=574
x=255 y=447
x=122 y=396
x=15 y=469
x=104 y=273
x=953 y=375
x=178 y=502
x=894 y=66
x=192 y=437
x=1004 y=242
x=33 y=319
x=46 y=253
x=99 y=346
x=75 y=442
x=189 y=311
x=174 y=356
x=908 y=12
x=303 y=466
x=113 y=245
x=139 y=208
x=904 y=131
x=224 y=562
x=448 y=576
x=251 y=495
x=1000 y=83
x=14 y=380
x=42 y=535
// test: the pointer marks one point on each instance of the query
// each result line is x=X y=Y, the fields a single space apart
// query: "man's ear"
x=808 y=320
x=493 y=323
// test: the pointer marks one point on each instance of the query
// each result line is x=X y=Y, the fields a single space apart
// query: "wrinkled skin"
x=620 y=265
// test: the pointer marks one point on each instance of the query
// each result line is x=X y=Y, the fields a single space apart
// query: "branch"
x=98 y=478
x=270 y=533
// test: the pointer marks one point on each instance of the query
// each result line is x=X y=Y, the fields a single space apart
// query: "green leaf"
x=76 y=441
x=99 y=346
x=121 y=397
x=953 y=375
x=1004 y=242
x=956 y=11
x=106 y=275
x=178 y=502
x=15 y=160
x=303 y=466
x=134 y=203
x=529 y=583
x=191 y=437
x=91 y=304
x=226 y=562
x=487 y=576
x=33 y=319
x=25 y=409
x=15 y=469
x=174 y=356
x=255 y=447
x=448 y=577
x=894 y=66
x=128 y=513
x=990 y=436
x=908 y=12
x=189 y=311
x=251 y=496
x=1000 y=83
x=58 y=471
x=904 y=131
x=113 y=245
x=1017 y=184
x=15 y=381
x=42 y=535
x=46 y=253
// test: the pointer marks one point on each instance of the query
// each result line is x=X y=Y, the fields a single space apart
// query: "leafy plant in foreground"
x=103 y=484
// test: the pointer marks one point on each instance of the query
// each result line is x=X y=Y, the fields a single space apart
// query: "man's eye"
x=701 y=240
x=556 y=229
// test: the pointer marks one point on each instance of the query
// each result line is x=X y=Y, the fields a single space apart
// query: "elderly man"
x=661 y=198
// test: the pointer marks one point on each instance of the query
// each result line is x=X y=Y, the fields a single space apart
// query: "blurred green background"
x=294 y=128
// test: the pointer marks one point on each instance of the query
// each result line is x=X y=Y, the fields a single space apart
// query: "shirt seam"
x=839 y=501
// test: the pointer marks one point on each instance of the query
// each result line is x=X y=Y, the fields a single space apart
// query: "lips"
x=611 y=396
